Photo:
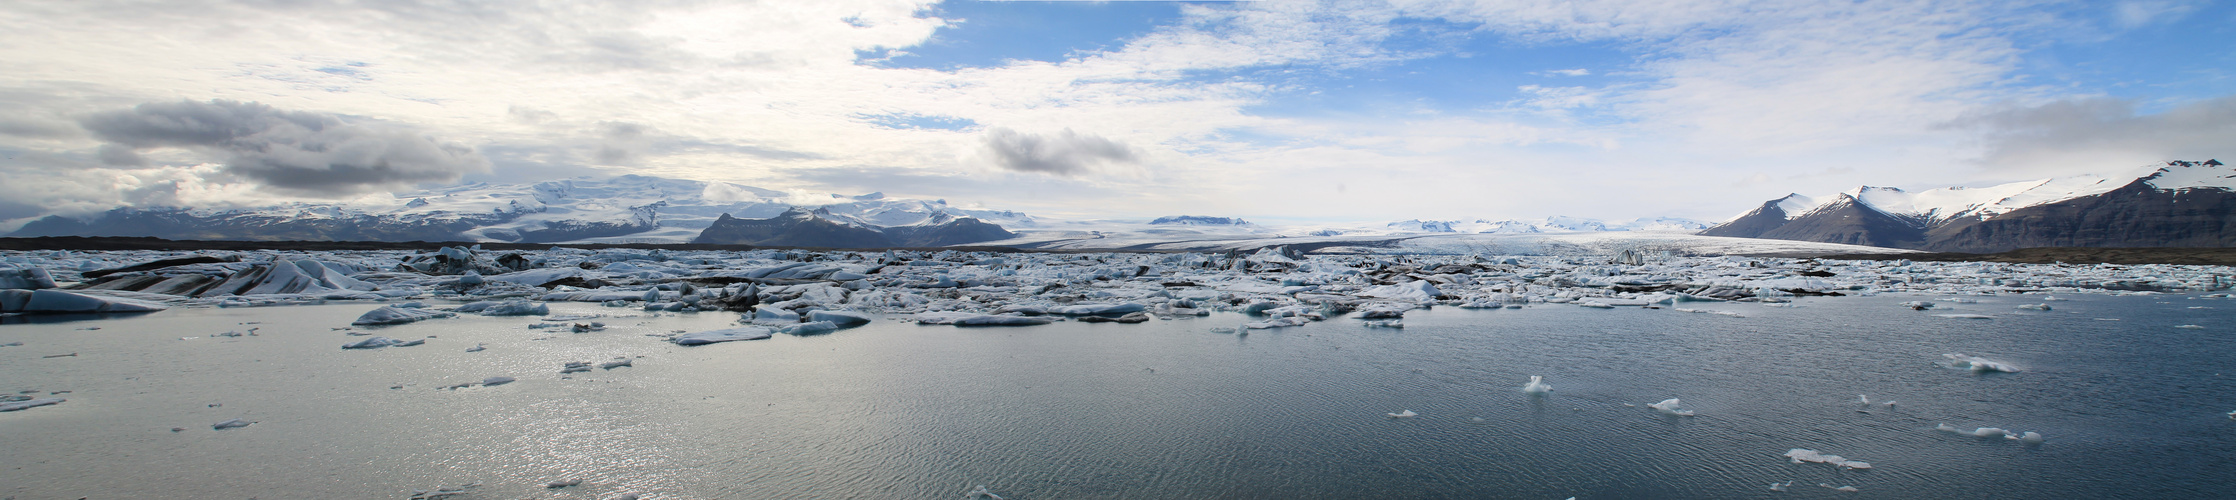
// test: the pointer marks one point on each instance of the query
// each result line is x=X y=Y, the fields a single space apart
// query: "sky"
x=1268 y=110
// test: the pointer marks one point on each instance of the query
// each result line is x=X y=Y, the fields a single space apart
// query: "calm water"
x=2131 y=408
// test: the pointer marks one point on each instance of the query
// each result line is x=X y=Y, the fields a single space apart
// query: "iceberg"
x=392 y=315
x=1977 y=364
x=57 y=301
x=29 y=278
x=1415 y=291
x=840 y=318
x=505 y=308
x=231 y=424
x=1670 y=406
x=29 y=404
x=809 y=328
x=1403 y=414
x=1805 y=455
x=372 y=343
x=1537 y=385
x=1098 y=309
x=727 y=335
x=496 y=381
x=975 y=319
x=2029 y=437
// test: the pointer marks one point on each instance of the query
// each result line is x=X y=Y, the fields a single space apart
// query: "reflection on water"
x=1158 y=410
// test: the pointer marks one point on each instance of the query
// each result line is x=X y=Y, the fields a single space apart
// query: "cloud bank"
x=1064 y=153
x=293 y=151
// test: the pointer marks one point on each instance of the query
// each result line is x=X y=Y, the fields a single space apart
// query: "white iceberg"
x=727 y=335
x=840 y=318
x=1804 y=455
x=1403 y=414
x=1977 y=364
x=372 y=343
x=1537 y=385
x=1671 y=406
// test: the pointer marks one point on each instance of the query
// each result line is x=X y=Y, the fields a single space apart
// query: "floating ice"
x=1403 y=414
x=1977 y=364
x=1386 y=323
x=728 y=335
x=505 y=308
x=1964 y=316
x=29 y=404
x=2029 y=437
x=809 y=328
x=840 y=318
x=562 y=483
x=478 y=348
x=30 y=278
x=1537 y=385
x=981 y=493
x=231 y=424
x=2190 y=327
x=1850 y=489
x=1801 y=455
x=2037 y=307
x=1918 y=305
x=975 y=319
x=497 y=381
x=1781 y=486
x=1670 y=406
x=617 y=364
x=372 y=343
x=57 y=301
x=392 y=315
x=1098 y=309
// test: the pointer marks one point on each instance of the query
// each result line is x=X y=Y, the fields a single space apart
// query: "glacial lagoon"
x=2129 y=405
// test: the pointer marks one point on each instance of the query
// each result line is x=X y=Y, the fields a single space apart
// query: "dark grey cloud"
x=626 y=144
x=295 y=151
x=2023 y=135
x=1065 y=153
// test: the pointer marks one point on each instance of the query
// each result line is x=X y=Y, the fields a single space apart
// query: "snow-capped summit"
x=2134 y=208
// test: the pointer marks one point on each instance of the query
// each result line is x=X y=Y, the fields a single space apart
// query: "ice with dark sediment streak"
x=393 y=315
x=1977 y=364
x=29 y=404
x=1537 y=385
x=231 y=424
x=1805 y=455
x=1671 y=406
x=840 y=318
x=57 y=301
x=372 y=343
x=497 y=381
x=617 y=364
x=809 y=328
x=725 y=335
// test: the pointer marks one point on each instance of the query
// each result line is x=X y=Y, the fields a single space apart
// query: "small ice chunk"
x=1403 y=414
x=1977 y=364
x=617 y=364
x=726 y=335
x=2036 y=307
x=1537 y=385
x=1850 y=489
x=1805 y=455
x=1222 y=329
x=392 y=315
x=478 y=348
x=809 y=328
x=574 y=367
x=1671 y=406
x=1863 y=399
x=29 y=404
x=1917 y=305
x=981 y=493
x=562 y=483
x=2028 y=437
x=372 y=343
x=840 y=318
x=1964 y=316
x=231 y=424
x=1385 y=323
x=2190 y=327
x=1781 y=486
x=496 y=381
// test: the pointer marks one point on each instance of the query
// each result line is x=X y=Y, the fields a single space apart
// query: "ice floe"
x=1805 y=455
x=1990 y=432
x=1537 y=385
x=1403 y=414
x=29 y=404
x=393 y=315
x=57 y=301
x=725 y=335
x=1977 y=364
x=1671 y=406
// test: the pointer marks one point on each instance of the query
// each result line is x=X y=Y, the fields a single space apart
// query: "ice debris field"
x=797 y=292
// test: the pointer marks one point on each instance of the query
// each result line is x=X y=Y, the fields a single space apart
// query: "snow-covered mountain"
x=625 y=208
x=2179 y=203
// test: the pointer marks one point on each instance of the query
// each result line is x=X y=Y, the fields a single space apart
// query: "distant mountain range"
x=2182 y=203
x=2177 y=204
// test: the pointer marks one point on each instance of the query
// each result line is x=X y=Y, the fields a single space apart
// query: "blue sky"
x=1336 y=110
